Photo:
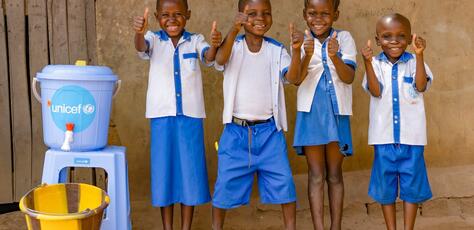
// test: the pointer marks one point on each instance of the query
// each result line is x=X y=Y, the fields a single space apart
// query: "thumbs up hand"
x=140 y=23
x=308 y=44
x=241 y=18
x=296 y=37
x=419 y=44
x=367 y=52
x=333 y=45
x=216 y=36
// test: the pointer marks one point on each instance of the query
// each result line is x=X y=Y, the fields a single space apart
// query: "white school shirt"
x=253 y=99
x=279 y=60
x=174 y=82
x=340 y=92
x=398 y=115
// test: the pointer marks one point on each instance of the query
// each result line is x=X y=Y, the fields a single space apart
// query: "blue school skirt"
x=178 y=162
x=321 y=126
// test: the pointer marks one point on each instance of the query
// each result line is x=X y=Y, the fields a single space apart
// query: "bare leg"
x=289 y=215
x=316 y=176
x=389 y=213
x=218 y=217
x=409 y=215
x=167 y=217
x=186 y=217
x=335 y=182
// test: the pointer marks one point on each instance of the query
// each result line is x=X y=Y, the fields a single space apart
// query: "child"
x=254 y=115
x=175 y=105
x=396 y=81
x=322 y=131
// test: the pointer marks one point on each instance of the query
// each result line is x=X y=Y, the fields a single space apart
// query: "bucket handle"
x=35 y=92
x=118 y=84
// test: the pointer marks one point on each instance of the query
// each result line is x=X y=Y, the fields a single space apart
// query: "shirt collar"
x=165 y=37
x=404 y=58
x=331 y=31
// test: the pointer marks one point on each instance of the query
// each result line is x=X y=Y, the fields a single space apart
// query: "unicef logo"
x=72 y=104
x=88 y=109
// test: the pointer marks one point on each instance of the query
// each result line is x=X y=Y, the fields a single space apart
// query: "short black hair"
x=185 y=2
x=395 y=17
x=334 y=2
x=242 y=4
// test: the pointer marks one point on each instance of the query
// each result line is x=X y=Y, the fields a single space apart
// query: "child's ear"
x=156 y=15
x=188 y=15
x=377 y=40
x=304 y=14
x=336 y=15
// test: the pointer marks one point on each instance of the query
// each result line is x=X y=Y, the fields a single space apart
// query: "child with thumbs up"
x=253 y=143
x=396 y=81
x=324 y=104
x=175 y=107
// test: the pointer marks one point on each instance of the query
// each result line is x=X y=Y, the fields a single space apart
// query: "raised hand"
x=296 y=37
x=308 y=44
x=216 y=36
x=140 y=23
x=367 y=51
x=333 y=45
x=419 y=44
x=241 y=18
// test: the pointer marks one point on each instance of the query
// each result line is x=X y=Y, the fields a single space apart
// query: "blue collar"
x=267 y=39
x=404 y=58
x=332 y=30
x=165 y=37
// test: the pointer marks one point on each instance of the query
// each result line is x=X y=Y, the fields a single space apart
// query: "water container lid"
x=75 y=72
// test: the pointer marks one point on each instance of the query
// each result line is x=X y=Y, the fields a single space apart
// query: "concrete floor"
x=451 y=208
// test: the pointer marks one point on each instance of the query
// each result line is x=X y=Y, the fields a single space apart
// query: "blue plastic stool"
x=112 y=159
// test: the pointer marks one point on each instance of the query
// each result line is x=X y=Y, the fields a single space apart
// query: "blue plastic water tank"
x=78 y=95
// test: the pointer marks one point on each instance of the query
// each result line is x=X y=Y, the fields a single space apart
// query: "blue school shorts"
x=267 y=159
x=178 y=162
x=397 y=165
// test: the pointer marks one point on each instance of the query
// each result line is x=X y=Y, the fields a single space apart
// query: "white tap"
x=68 y=137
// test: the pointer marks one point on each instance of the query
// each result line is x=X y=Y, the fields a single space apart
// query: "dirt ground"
x=451 y=208
x=254 y=217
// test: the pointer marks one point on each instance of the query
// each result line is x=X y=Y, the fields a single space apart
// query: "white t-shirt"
x=253 y=100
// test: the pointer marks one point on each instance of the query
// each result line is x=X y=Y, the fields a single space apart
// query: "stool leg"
x=63 y=175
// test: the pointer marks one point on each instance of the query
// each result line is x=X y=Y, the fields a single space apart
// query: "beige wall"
x=446 y=24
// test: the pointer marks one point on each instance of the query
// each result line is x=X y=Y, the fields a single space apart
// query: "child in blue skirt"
x=324 y=103
x=175 y=107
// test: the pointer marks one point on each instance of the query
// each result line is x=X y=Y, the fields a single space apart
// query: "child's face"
x=394 y=37
x=259 y=17
x=319 y=16
x=172 y=16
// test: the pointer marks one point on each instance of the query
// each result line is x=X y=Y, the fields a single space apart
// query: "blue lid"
x=77 y=73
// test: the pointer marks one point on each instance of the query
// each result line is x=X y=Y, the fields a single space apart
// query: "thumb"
x=292 y=28
x=413 y=41
x=145 y=15
x=369 y=43
x=214 y=26
x=334 y=35
x=308 y=34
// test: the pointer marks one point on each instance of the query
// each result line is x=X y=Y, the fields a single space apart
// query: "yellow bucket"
x=64 y=207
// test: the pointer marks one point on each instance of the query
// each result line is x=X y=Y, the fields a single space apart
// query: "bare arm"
x=297 y=38
x=216 y=40
x=344 y=71
x=140 y=25
x=421 y=78
x=225 y=50
x=372 y=81
x=223 y=54
x=308 y=50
